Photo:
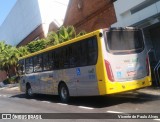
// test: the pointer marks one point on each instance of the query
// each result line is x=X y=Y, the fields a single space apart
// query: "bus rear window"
x=124 y=41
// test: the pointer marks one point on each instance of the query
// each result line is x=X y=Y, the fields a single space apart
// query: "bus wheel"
x=29 y=92
x=64 y=93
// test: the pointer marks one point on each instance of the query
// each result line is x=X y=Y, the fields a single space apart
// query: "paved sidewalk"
x=10 y=87
x=150 y=90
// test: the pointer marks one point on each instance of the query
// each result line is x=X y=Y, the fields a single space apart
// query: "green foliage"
x=35 y=46
x=2 y=46
x=6 y=81
x=71 y=32
x=62 y=35
x=9 y=55
x=81 y=33
x=66 y=33
x=22 y=51
x=12 y=80
x=53 y=38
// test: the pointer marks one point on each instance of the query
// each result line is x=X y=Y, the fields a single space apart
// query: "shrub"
x=11 y=80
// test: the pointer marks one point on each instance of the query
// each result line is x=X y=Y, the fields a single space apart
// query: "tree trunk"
x=7 y=72
x=15 y=70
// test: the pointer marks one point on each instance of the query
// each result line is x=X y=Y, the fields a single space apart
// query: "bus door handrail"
x=156 y=68
x=156 y=72
x=152 y=50
x=149 y=51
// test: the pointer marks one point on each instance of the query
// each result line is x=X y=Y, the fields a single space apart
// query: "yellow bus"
x=102 y=62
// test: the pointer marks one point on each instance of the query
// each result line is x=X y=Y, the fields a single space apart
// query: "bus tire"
x=29 y=92
x=64 y=93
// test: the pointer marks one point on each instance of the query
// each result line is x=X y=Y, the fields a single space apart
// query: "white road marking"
x=85 y=107
x=114 y=112
x=4 y=95
x=61 y=104
x=45 y=102
x=2 y=88
x=156 y=119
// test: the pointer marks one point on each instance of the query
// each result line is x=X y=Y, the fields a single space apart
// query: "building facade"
x=90 y=15
x=30 y=20
x=3 y=76
x=144 y=14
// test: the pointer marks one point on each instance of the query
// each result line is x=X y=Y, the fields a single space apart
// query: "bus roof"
x=62 y=44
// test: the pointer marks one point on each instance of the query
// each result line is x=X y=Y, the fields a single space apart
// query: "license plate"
x=131 y=73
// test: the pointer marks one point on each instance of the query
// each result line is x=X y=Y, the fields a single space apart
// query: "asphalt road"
x=140 y=101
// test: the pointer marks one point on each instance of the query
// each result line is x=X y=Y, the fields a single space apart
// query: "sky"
x=5 y=7
x=52 y=7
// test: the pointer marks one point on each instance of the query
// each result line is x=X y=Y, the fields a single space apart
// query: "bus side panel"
x=100 y=68
x=33 y=80
x=86 y=81
x=46 y=82
x=22 y=84
x=81 y=81
x=68 y=77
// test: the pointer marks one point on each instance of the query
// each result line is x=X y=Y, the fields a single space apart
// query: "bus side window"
x=37 y=63
x=48 y=61
x=53 y=56
x=83 y=57
x=29 y=65
x=77 y=54
x=71 y=56
x=21 y=70
x=61 y=58
x=56 y=58
x=45 y=62
x=92 y=51
x=66 y=57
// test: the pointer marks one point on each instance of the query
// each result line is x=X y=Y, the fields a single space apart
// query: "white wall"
x=27 y=15
x=52 y=11
x=124 y=16
x=21 y=21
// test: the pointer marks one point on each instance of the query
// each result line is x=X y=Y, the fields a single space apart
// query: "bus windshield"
x=124 y=41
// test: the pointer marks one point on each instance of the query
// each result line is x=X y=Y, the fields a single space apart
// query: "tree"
x=81 y=33
x=2 y=46
x=71 y=32
x=22 y=51
x=35 y=46
x=9 y=57
x=66 y=34
x=6 y=57
x=53 y=38
x=63 y=34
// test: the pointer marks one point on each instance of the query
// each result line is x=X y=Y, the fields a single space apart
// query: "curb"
x=150 y=90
